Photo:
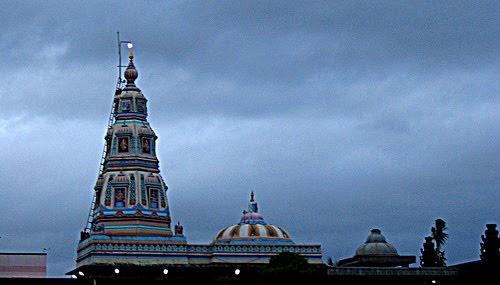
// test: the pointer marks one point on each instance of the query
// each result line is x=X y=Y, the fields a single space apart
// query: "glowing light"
x=73 y=276
x=237 y=272
x=165 y=271
x=117 y=270
x=80 y=273
x=130 y=45
x=433 y=282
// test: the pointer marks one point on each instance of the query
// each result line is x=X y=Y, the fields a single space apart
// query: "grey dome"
x=376 y=245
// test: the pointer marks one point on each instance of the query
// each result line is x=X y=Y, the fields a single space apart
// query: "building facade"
x=23 y=265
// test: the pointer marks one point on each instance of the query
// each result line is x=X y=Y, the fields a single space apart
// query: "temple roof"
x=252 y=228
x=376 y=245
x=377 y=252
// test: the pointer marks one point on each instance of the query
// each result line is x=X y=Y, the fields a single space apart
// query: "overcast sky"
x=342 y=117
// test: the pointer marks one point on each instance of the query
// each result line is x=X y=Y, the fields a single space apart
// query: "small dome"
x=139 y=95
x=252 y=229
x=124 y=129
x=152 y=179
x=376 y=245
x=144 y=130
x=121 y=178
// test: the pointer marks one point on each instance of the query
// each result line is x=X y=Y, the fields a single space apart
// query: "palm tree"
x=439 y=235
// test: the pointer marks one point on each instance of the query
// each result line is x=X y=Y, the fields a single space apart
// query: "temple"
x=130 y=222
x=129 y=233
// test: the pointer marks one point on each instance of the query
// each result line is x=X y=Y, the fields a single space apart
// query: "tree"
x=439 y=235
x=288 y=266
x=288 y=261
x=434 y=256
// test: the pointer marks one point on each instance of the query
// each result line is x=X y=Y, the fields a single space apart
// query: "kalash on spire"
x=130 y=213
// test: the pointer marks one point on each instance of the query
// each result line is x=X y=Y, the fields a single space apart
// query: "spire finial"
x=252 y=206
x=131 y=73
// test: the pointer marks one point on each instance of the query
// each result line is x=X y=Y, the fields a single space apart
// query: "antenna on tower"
x=130 y=45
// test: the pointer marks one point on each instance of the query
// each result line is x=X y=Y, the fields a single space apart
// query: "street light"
x=237 y=271
x=117 y=270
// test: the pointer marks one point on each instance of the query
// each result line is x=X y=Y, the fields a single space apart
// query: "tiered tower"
x=130 y=216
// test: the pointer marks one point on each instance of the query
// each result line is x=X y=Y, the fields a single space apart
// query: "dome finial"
x=252 y=206
x=131 y=73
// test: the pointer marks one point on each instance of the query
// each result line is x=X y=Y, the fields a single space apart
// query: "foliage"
x=289 y=261
x=438 y=233
x=289 y=266
x=435 y=256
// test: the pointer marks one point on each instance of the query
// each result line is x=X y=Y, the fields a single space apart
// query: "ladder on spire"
x=93 y=205
x=119 y=85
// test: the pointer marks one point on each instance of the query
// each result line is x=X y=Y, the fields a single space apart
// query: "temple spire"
x=131 y=180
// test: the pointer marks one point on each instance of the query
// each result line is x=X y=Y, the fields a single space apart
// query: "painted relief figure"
x=146 y=145
x=125 y=105
x=119 y=197
x=123 y=145
x=153 y=199
x=141 y=106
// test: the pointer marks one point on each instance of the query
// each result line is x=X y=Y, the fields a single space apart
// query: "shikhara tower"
x=130 y=184
x=131 y=206
x=130 y=223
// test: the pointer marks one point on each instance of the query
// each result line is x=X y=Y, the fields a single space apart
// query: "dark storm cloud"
x=341 y=116
x=268 y=50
